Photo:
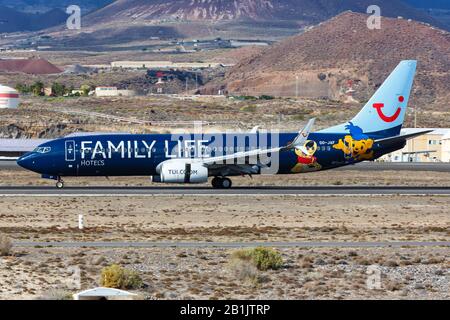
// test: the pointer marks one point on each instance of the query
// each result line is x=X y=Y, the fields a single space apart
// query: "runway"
x=208 y=191
x=231 y=245
x=364 y=166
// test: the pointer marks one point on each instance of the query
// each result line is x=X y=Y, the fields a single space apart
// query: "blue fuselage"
x=140 y=155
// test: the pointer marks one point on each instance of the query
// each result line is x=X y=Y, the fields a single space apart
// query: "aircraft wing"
x=14 y=148
x=298 y=142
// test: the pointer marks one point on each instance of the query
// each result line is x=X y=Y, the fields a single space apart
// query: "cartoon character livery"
x=194 y=158
x=356 y=146
x=306 y=161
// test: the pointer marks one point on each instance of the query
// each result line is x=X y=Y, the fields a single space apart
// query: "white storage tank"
x=9 y=97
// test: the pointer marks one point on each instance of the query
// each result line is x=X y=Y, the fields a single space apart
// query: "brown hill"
x=125 y=21
x=29 y=66
x=343 y=49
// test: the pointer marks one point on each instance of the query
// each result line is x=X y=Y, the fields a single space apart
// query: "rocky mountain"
x=42 y=6
x=343 y=54
x=307 y=11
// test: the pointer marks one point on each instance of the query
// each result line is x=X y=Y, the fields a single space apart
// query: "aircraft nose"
x=27 y=161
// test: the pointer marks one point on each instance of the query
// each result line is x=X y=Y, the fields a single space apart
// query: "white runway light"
x=80 y=222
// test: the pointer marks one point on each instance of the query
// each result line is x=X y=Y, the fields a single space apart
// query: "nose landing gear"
x=221 y=183
x=60 y=183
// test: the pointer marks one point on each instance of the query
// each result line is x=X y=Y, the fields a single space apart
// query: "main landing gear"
x=221 y=183
x=60 y=183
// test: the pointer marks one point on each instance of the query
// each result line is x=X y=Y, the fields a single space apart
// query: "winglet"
x=254 y=129
x=302 y=137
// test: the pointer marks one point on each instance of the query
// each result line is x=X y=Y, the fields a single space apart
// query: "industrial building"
x=113 y=92
x=431 y=147
x=163 y=65
x=9 y=98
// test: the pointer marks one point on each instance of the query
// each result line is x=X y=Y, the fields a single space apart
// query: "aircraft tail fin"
x=384 y=113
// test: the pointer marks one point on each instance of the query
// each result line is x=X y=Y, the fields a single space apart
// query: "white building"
x=113 y=92
x=446 y=147
x=163 y=65
x=430 y=147
x=9 y=98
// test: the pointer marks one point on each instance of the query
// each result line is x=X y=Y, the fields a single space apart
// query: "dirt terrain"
x=404 y=273
x=174 y=273
x=231 y=218
x=55 y=117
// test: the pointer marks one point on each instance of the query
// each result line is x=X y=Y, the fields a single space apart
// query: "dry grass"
x=5 y=245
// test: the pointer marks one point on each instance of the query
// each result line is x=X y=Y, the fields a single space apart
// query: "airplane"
x=195 y=157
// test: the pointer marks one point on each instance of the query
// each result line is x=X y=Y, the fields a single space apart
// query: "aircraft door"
x=70 y=151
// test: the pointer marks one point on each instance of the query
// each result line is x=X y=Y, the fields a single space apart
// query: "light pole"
x=413 y=140
x=296 y=86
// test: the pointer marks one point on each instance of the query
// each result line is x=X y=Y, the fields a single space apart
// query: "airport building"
x=113 y=92
x=163 y=65
x=431 y=147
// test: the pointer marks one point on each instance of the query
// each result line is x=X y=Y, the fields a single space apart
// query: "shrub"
x=262 y=258
x=23 y=88
x=250 y=108
x=37 y=88
x=56 y=294
x=85 y=89
x=244 y=270
x=58 y=89
x=5 y=246
x=117 y=277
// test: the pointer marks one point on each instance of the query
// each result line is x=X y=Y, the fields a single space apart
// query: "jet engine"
x=178 y=171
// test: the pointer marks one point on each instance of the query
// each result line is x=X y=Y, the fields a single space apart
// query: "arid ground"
x=174 y=273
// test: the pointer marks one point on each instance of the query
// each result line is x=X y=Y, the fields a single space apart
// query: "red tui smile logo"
x=385 y=118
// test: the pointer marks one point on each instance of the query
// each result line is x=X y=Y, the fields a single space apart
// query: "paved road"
x=231 y=244
x=207 y=191
x=9 y=165
x=398 y=166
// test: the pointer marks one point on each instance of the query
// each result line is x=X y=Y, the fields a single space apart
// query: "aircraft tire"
x=60 y=184
x=216 y=182
x=225 y=183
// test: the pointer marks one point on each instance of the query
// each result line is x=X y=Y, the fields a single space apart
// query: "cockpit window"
x=43 y=149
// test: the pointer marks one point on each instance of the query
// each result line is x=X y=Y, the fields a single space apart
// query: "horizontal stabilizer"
x=402 y=138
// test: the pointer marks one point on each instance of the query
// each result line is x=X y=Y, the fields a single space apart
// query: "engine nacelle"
x=179 y=171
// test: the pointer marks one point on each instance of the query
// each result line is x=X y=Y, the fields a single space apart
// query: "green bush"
x=58 y=89
x=37 y=88
x=23 y=88
x=85 y=88
x=262 y=258
x=117 y=277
